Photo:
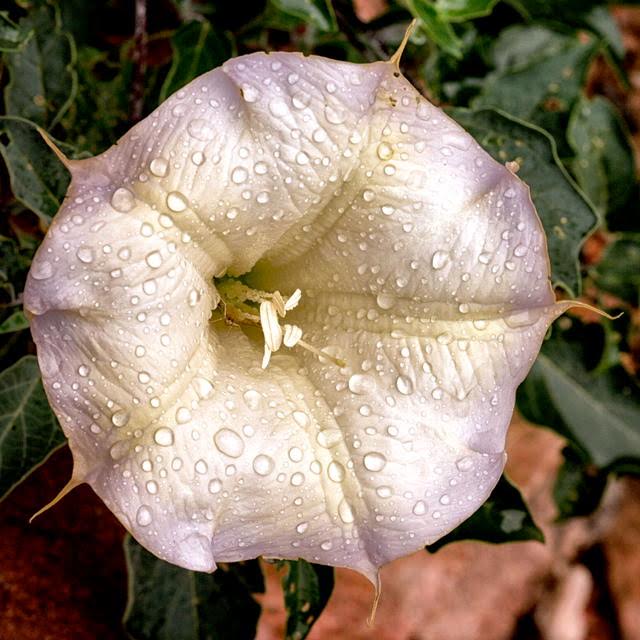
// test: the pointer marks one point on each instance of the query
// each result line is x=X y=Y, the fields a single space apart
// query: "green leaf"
x=601 y=20
x=598 y=411
x=568 y=11
x=619 y=270
x=12 y=36
x=542 y=84
x=461 y=10
x=318 y=13
x=17 y=321
x=436 y=26
x=603 y=165
x=504 y=517
x=14 y=265
x=307 y=588
x=42 y=76
x=197 y=48
x=578 y=487
x=170 y=603
x=29 y=432
x=566 y=216
x=38 y=178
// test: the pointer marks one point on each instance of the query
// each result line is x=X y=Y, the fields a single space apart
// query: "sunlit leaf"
x=460 y=10
x=436 y=26
x=12 y=35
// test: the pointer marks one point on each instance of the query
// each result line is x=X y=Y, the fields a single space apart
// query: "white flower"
x=395 y=276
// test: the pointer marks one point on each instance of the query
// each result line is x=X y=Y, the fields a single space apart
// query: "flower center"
x=241 y=305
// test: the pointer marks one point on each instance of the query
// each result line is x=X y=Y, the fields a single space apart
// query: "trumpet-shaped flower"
x=286 y=315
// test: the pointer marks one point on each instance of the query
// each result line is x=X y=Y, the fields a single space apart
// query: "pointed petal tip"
x=377 y=584
x=395 y=58
x=70 y=486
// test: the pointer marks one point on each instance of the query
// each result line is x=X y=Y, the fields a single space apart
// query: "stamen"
x=292 y=335
x=270 y=325
x=292 y=300
x=278 y=303
x=322 y=354
x=266 y=357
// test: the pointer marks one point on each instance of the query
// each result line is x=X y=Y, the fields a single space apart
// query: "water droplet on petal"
x=239 y=175
x=144 y=517
x=159 y=167
x=374 y=461
x=200 y=129
x=361 y=384
x=345 y=512
x=85 y=254
x=176 y=201
x=439 y=259
x=404 y=385
x=163 y=436
x=419 y=508
x=229 y=443
x=335 y=471
x=123 y=200
x=263 y=465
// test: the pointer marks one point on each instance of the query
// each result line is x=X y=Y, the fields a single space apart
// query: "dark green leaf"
x=12 y=36
x=461 y=10
x=619 y=270
x=17 y=321
x=566 y=216
x=29 y=432
x=197 y=48
x=170 y=603
x=601 y=20
x=318 y=13
x=543 y=83
x=569 y=11
x=14 y=264
x=504 y=517
x=42 y=76
x=579 y=486
x=603 y=164
x=38 y=178
x=307 y=588
x=599 y=412
x=437 y=28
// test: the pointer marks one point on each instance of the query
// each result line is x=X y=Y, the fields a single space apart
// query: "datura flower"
x=286 y=315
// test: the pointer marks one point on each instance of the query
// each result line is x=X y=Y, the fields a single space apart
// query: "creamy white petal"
x=422 y=267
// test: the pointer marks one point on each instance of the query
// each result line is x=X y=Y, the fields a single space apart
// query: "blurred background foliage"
x=537 y=82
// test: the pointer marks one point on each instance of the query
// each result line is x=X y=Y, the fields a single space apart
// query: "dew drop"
x=85 y=254
x=123 y=200
x=295 y=454
x=229 y=443
x=439 y=259
x=419 y=508
x=183 y=415
x=176 y=201
x=384 y=151
x=215 y=486
x=144 y=517
x=361 y=384
x=200 y=129
x=120 y=418
x=41 y=270
x=263 y=465
x=83 y=370
x=404 y=385
x=374 y=461
x=163 y=436
x=154 y=259
x=239 y=175
x=384 y=491
x=159 y=167
x=197 y=157
x=345 y=512
x=335 y=471
x=385 y=300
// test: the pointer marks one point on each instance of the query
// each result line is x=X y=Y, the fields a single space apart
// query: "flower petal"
x=422 y=266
